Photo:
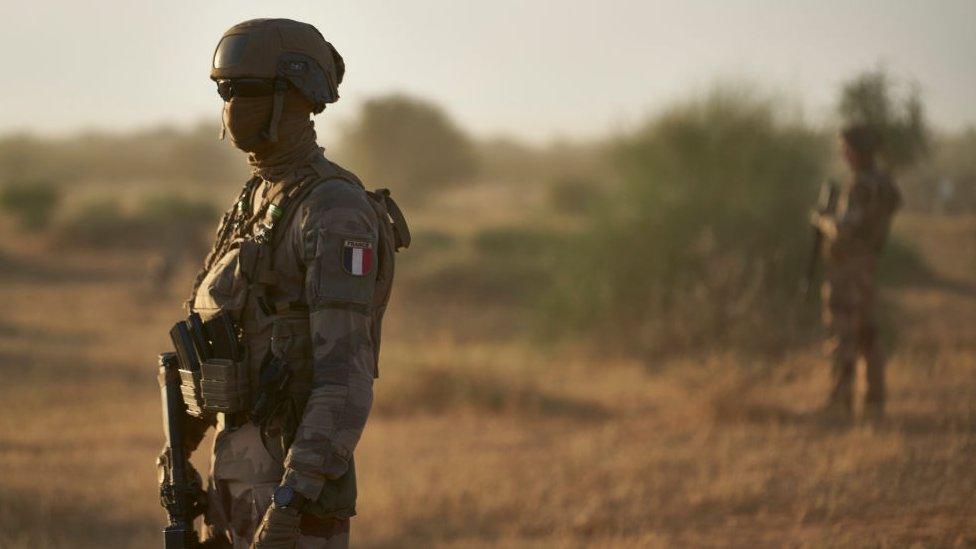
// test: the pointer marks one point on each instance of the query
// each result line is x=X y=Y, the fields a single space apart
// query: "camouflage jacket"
x=315 y=297
x=863 y=217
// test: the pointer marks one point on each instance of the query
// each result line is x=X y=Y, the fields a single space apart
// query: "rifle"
x=826 y=204
x=181 y=500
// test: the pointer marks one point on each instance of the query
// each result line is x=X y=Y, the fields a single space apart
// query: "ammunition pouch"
x=213 y=374
x=221 y=385
x=225 y=386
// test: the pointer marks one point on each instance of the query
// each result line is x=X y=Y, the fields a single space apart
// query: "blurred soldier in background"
x=303 y=265
x=854 y=235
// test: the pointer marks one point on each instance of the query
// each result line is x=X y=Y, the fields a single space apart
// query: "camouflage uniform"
x=856 y=235
x=304 y=264
x=325 y=325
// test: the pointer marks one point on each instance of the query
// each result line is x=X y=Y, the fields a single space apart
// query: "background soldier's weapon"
x=826 y=204
x=181 y=499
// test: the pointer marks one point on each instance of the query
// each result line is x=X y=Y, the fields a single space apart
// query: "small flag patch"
x=357 y=257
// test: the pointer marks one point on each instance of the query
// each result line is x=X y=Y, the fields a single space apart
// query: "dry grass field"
x=494 y=442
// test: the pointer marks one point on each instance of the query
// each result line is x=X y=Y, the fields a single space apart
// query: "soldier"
x=855 y=235
x=303 y=264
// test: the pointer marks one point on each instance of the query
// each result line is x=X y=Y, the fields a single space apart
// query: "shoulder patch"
x=357 y=256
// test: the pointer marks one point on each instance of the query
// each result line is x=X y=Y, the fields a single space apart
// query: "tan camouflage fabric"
x=849 y=312
x=326 y=325
x=859 y=230
x=243 y=478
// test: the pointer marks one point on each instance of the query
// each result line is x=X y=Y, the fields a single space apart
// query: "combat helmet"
x=267 y=56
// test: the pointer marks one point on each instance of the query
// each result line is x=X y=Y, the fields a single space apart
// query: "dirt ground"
x=496 y=443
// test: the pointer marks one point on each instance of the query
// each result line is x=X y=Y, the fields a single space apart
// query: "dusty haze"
x=534 y=69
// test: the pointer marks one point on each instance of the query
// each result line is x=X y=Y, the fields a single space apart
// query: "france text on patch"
x=357 y=257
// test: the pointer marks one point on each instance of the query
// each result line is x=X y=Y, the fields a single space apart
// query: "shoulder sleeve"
x=340 y=240
x=340 y=236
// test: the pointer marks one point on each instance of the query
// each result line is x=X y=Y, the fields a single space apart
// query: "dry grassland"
x=492 y=442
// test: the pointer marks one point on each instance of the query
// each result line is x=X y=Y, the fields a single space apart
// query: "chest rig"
x=259 y=231
x=276 y=366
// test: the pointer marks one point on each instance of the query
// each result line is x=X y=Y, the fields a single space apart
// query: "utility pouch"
x=225 y=386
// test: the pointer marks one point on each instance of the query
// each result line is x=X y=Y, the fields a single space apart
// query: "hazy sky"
x=535 y=68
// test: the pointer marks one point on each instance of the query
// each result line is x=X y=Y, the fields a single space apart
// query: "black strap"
x=401 y=232
x=280 y=86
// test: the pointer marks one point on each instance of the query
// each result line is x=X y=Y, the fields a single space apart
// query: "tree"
x=871 y=98
x=408 y=144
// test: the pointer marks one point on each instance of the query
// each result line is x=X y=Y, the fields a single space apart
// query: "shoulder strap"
x=290 y=202
x=401 y=232
x=280 y=214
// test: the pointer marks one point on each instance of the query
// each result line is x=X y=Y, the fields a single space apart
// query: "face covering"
x=246 y=120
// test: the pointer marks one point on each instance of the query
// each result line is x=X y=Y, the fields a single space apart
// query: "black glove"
x=279 y=529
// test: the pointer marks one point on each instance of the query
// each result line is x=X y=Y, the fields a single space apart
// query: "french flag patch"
x=357 y=257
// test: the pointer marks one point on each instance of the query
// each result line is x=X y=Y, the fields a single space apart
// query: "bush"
x=175 y=208
x=434 y=239
x=33 y=204
x=506 y=243
x=705 y=237
x=573 y=195
x=154 y=154
x=161 y=221
x=99 y=224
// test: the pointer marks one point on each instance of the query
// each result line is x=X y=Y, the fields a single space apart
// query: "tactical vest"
x=252 y=274
x=877 y=200
x=889 y=201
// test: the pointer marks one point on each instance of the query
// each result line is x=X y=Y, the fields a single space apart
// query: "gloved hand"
x=814 y=219
x=197 y=495
x=278 y=529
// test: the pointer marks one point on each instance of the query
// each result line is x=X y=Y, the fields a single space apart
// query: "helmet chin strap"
x=278 y=105
x=281 y=87
x=223 y=125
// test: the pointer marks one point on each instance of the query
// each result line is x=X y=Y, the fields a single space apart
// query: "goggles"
x=245 y=87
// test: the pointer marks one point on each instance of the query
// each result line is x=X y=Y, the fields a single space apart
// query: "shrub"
x=433 y=239
x=176 y=208
x=100 y=223
x=704 y=238
x=503 y=243
x=161 y=221
x=409 y=145
x=33 y=204
x=573 y=195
